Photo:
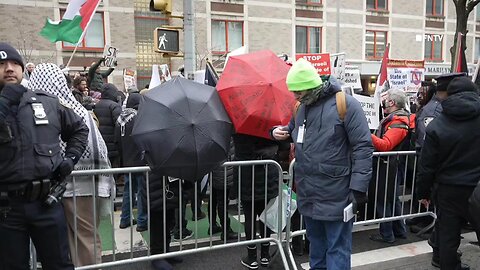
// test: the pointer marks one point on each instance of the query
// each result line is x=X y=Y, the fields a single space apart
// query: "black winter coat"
x=255 y=148
x=107 y=111
x=451 y=151
x=474 y=202
x=221 y=173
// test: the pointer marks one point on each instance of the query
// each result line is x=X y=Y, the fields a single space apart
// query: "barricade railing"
x=242 y=169
x=399 y=187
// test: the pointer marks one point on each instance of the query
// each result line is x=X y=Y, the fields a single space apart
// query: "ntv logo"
x=429 y=37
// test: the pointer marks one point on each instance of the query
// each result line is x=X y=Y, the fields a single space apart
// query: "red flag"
x=460 y=62
x=382 y=77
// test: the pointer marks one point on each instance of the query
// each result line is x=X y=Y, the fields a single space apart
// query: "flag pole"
x=74 y=50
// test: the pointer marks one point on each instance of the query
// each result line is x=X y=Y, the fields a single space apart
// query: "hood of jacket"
x=462 y=106
x=109 y=91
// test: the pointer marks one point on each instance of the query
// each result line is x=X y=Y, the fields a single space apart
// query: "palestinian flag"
x=73 y=24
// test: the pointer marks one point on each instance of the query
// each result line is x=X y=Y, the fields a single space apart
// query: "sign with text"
x=129 y=80
x=370 y=108
x=321 y=61
x=405 y=74
x=352 y=77
x=110 y=55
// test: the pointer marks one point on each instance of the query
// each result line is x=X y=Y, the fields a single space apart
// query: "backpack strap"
x=295 y=108
x=402 y=126
x=341 y=104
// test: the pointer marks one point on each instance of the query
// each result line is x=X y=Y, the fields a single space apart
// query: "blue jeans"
x=330 y=244
x=390 y=230
x=138 y=188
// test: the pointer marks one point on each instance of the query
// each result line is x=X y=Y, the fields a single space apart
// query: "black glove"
x=65 y=168
x=358 y=198
x=13 y=93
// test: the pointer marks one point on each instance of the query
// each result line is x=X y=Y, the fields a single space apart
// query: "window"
x=94 y=38
x=308 y=39
x=478 y=13
x=310 y=2
x=226 y=36
x=375 y=42
x=433 y=47
x=435 y=7
x=477 y=49
x=377 y=4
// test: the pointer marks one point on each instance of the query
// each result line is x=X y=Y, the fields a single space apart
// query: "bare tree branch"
x=471 y=4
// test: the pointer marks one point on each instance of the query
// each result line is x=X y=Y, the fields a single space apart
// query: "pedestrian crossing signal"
x=166 y=40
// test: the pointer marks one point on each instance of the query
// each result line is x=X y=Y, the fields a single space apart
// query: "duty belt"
x=34 y=190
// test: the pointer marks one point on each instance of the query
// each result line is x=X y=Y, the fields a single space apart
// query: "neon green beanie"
x=303 y=76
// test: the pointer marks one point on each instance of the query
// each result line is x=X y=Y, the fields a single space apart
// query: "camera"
x=56 y=193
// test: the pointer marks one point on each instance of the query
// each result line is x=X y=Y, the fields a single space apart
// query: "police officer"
x=450 y=159
x=31 y=166
x=429 y=112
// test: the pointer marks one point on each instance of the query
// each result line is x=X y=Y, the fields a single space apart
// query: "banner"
x=110 y=55
x=337 y=65
x=405 y=74
x=321 y=61
x=129 y=80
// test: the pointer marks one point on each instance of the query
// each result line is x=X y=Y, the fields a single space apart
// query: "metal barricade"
x=182 y=247
x=403 y=191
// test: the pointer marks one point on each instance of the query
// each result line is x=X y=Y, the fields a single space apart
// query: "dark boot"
x=250 y=261
x=231 y=235
x=298 y=245
x=265 y=254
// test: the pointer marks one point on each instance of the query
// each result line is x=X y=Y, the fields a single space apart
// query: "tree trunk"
x=461 y=27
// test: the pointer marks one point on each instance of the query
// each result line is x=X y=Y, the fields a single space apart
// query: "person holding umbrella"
x=333 y=166
x=249 y=147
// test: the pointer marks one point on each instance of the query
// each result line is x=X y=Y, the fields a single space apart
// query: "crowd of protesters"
x=334 y=161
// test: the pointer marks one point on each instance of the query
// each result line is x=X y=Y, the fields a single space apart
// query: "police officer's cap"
x=443 y=80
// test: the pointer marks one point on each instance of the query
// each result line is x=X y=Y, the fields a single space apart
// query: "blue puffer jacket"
x=335 y=156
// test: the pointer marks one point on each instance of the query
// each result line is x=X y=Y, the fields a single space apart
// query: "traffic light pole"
x=189 y=38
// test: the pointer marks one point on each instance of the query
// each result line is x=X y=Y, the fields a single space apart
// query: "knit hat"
x=303 y=76
x=443 y=80
x=7 y=52
x=461 y=84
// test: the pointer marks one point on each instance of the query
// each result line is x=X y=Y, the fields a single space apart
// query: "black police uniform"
x=30 y=160
x=450 y=158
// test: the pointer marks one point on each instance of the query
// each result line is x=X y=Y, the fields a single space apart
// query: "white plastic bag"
x=271 y=211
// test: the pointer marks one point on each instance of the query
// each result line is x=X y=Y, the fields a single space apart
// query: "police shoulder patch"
x=427 y=120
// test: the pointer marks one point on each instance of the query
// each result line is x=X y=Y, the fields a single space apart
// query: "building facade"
x=416 y=30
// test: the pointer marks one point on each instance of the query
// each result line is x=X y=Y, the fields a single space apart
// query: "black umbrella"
x=183 y=128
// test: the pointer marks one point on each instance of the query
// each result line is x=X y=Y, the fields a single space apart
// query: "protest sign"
x=405 y=74
x=337 y=65
x=321 y=61
x=165 y=73
x=352 y=77
x=129 y=80
x=110 y=55
x=370 y=108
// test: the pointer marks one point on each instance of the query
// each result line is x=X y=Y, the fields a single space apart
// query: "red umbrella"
x=253 y=90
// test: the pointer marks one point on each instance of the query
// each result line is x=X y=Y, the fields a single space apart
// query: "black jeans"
x=258 y=208
x=160 y=231
x=46 y=226
x=453 y=204
x=218 y=205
